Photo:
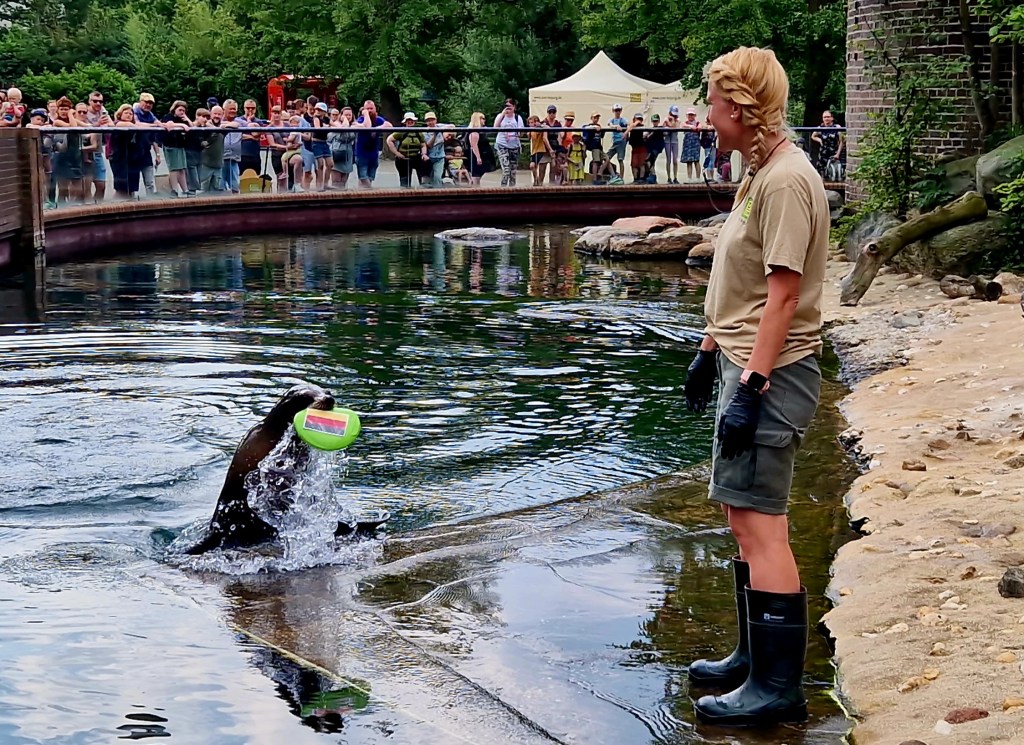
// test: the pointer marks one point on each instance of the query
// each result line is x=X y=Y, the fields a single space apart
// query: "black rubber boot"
x=772 y=693
x=732 y=671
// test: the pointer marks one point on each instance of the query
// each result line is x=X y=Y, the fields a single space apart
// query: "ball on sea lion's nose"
x=327 y=430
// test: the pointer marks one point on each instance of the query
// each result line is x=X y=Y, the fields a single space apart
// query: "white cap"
x=408 y=115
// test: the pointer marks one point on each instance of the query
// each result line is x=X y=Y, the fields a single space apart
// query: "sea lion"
x=234 y=523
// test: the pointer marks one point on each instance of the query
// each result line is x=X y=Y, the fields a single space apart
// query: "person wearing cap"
x=618 y=126
x=410 y=151
x=556 y=151
x=434 y=142
x=671 y=126
x=654 y=141
x=320 y=120
x=144 y=117
x=637 y=140
x=691 y=144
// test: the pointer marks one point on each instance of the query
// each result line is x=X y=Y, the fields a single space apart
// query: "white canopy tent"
x=600 y=84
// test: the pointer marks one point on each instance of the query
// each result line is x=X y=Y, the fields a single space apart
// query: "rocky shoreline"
x=928 y=650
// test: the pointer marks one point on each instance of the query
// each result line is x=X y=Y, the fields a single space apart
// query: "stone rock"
x=1012 y=300
x=478 y=236
x=998 y=166
x=939 y=650
x=912 y=684
x=914 y=465
x=718 y=219
x=867 y=229
x=913 y=742
x=988 y=531
x=907 y=319
x=701 y=254
x=1012 y=284
x=961 y=176
x=647 y=223
x=1014 y=461
x=674 y=242
x=942 y=727
x=1012 y=583
x=954 y=251
x=597 y=240
x=898 y=628
x=969 y=714
x=1012 y=702
x=1006 y=658
x=835 y=200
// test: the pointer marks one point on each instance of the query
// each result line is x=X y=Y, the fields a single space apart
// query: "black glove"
x=738 y=423
x=700 y=380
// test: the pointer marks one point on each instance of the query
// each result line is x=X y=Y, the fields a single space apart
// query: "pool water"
x=546 y=577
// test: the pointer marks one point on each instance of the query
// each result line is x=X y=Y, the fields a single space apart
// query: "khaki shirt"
x=783 y=221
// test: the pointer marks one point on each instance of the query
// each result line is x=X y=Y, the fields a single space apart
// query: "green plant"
x=1011 y=203
x=77 y=83
x=932 y=190
x=1003 y=135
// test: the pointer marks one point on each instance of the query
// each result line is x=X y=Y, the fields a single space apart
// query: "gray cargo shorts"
x=760 y=479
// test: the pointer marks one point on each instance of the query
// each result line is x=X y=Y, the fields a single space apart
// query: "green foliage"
x=891 y=165
x=1003 y=135
x=1011 y=202
x=931 y=190
x=809 y=37
x=77 y=84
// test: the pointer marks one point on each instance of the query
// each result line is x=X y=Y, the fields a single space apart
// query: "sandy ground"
x=920 y=627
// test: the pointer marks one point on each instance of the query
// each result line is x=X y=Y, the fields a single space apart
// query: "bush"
x=1011 y=202
x=77 y=84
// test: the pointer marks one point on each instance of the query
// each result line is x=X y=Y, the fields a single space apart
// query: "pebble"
x=939 y=444
x=968 y=714
x=913 y=742
x=1012 y=583
x=914 y=465
x=946 y=594
x=969 y=573
x=1012 y=702
x=933 y=619
x=1006 y=658
x=911 y=684
x=943 y=727
x=898 y=628
x=952 y=604
x=845 y=591
x=939 y=650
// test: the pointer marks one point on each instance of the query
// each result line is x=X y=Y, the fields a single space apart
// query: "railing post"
x=24 y=214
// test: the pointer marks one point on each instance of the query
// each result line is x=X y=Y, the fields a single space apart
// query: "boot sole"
x=781 y=716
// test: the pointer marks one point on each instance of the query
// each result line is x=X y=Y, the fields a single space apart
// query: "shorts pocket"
x=765 y=470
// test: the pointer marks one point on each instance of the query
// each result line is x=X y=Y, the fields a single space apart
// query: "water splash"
x=292 y=489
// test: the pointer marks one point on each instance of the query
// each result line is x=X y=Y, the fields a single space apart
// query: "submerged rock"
x=675 y=242
x=478 y=236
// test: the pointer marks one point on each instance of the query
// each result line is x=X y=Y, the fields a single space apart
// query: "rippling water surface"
x=501 y=389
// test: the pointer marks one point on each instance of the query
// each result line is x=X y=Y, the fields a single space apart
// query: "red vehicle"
x=285 y=88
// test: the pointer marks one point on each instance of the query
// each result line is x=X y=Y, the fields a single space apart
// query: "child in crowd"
x=457 y=167
x=291 y=161
x=540 y=150
x=577 y=155
x=723 y=164
x=637 y=140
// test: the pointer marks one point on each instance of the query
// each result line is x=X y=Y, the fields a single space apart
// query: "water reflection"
x=509 y=396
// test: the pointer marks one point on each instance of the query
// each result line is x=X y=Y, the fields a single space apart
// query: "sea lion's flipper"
x=363 y=528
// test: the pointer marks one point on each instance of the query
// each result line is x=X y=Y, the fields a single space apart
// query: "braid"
x=752 y=117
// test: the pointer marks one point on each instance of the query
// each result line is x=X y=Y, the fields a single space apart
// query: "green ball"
x=327 y=430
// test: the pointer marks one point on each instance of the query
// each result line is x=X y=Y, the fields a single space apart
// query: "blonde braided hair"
x=753 y=79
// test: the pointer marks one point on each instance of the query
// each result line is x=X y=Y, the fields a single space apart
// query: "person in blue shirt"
x=144 y=116
x=618 y=126
x=368 y=143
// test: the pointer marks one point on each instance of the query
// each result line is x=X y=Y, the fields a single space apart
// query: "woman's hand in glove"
x=738 y=423
x=700 y=380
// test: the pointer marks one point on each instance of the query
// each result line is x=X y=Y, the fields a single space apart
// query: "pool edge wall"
x=76 y=232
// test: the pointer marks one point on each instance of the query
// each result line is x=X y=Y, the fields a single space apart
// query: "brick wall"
x=21 y=203
x=941 y=16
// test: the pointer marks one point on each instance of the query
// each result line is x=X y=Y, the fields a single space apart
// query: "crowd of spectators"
x=215 y=149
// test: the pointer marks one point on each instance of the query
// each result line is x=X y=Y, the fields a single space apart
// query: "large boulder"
x=718 y=219
x=954 y=251
x=648 y=223
x=869 y=227
x=999 y=166
x=701 y=254
x=676 y=242
x=961 y=176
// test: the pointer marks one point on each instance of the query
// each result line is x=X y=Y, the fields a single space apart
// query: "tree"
x=78 y=83
x=682 y=36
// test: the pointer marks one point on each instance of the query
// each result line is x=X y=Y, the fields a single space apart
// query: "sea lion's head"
x=299 y=398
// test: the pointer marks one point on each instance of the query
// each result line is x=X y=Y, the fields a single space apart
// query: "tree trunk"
x=986 y=122
x=974 y=286
x=971 y=206
x=390 y=104
x=818 y=70
x=1016 y=86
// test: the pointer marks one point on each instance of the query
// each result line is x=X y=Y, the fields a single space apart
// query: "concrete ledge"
x=74 y=232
